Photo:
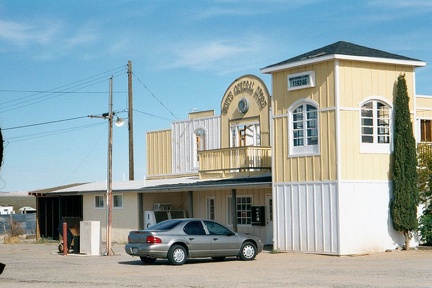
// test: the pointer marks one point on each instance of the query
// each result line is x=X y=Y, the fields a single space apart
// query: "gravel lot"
x=39 y=265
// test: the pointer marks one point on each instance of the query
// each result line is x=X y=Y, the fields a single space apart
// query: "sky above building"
x=56 y=58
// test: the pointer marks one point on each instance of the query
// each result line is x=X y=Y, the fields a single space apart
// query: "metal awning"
x=181 y=184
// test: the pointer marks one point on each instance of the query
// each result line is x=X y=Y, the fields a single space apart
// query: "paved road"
x=39 y=265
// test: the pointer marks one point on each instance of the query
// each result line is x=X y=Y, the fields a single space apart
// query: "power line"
x=154 y=96
x=50 y=133
x=43 y=123
x=152 y=115
x=40 y=96
x=85 y=158
x=57 y=92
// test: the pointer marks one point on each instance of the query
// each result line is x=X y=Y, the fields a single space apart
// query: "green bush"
x=425 y=227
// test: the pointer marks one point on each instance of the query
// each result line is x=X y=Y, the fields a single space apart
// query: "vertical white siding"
x=183 y=141
x=306 y=217
x=365 y=221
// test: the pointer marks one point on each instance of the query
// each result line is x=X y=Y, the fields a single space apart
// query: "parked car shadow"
x=192 y=261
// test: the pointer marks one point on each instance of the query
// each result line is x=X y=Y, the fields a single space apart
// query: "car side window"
x=194 y=228
x=216 y=229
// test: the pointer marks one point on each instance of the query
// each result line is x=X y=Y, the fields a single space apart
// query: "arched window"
x=375 y=126
x=200 y=144
x=303 y=132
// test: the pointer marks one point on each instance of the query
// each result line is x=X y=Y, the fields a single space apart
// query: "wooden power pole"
x=130 y=123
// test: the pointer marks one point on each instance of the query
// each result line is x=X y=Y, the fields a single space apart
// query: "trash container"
x=76 y=244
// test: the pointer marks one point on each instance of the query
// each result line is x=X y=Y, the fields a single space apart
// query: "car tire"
x=248 y=251
x=177 y=255
x=220 y=258
x=148 y=260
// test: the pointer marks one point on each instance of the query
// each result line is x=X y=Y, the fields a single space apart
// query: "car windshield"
x=164 y=225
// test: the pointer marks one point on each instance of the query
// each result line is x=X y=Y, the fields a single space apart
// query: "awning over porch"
x=166 y=185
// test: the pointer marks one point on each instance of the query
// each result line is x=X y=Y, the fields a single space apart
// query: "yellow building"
x=224 y=157
x=309 y=167
x=332 y=149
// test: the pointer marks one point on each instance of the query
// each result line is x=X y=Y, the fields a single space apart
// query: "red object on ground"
x=65 y=243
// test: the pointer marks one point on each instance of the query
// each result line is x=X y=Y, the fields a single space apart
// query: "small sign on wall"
x=258 y=216
x=301 y=80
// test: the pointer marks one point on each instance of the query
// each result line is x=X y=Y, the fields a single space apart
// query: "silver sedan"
x=179 y=239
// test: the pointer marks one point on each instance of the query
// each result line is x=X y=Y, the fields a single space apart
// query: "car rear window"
x=164 y=225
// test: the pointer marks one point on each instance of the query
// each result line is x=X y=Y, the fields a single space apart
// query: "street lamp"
x=109 y=197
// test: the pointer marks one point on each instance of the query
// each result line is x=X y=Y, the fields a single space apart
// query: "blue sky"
x=56 y=58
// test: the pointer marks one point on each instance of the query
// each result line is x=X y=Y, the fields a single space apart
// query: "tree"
x=1 y=148
x=403 y=205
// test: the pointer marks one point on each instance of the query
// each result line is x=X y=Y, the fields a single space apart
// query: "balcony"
x=424 y=147
x=234 y=162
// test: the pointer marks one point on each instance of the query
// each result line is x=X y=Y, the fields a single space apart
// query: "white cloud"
x=23 y=34
x=418 y=5
x=219 y=55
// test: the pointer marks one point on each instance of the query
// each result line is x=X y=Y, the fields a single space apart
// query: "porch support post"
x=234 y=209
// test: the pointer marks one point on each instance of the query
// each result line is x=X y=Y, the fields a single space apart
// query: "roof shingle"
x=343 y=48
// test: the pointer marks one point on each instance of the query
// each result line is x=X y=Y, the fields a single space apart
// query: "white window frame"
x=211 y=207
x=375 y=146
x=98 y=201
x=195 y=145
x=304 y=150
x=234 y=134
x=114 y=202
x=310 y=75
x=229 y=215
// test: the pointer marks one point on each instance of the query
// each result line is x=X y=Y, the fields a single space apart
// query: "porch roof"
x=164 y=185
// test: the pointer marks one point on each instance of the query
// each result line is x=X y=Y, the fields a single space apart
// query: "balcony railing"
x=234 y=162
x=423 y=147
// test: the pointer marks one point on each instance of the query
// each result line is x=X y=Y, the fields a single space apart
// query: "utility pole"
x=130 y=123
x=109 y=251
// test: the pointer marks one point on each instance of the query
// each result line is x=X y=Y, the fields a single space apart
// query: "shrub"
x=425 y=227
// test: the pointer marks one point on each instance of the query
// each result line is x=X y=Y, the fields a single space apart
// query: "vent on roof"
x=313 y=56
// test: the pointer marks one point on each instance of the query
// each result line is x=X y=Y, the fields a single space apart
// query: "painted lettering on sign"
x=227 y=103
x=244 y=86
x=260 y=98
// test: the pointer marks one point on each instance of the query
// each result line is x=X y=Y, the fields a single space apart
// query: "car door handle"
x=215 y=239
x=192 y=239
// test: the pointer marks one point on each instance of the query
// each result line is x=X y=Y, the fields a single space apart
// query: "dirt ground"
x=40 y=265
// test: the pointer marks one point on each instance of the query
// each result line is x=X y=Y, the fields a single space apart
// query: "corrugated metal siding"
x=159 y=151
x=183 y=141
x=306 y=217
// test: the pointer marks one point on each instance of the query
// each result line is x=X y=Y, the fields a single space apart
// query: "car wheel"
x=221 y=258
x=148 y=260
x=177 y=255
x=248 y=251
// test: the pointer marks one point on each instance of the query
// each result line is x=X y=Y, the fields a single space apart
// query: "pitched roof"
x=342 y=48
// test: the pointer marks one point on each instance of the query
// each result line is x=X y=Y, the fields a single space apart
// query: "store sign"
x=301 y=80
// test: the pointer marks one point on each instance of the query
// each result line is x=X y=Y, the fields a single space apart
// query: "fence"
x=27 y=221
